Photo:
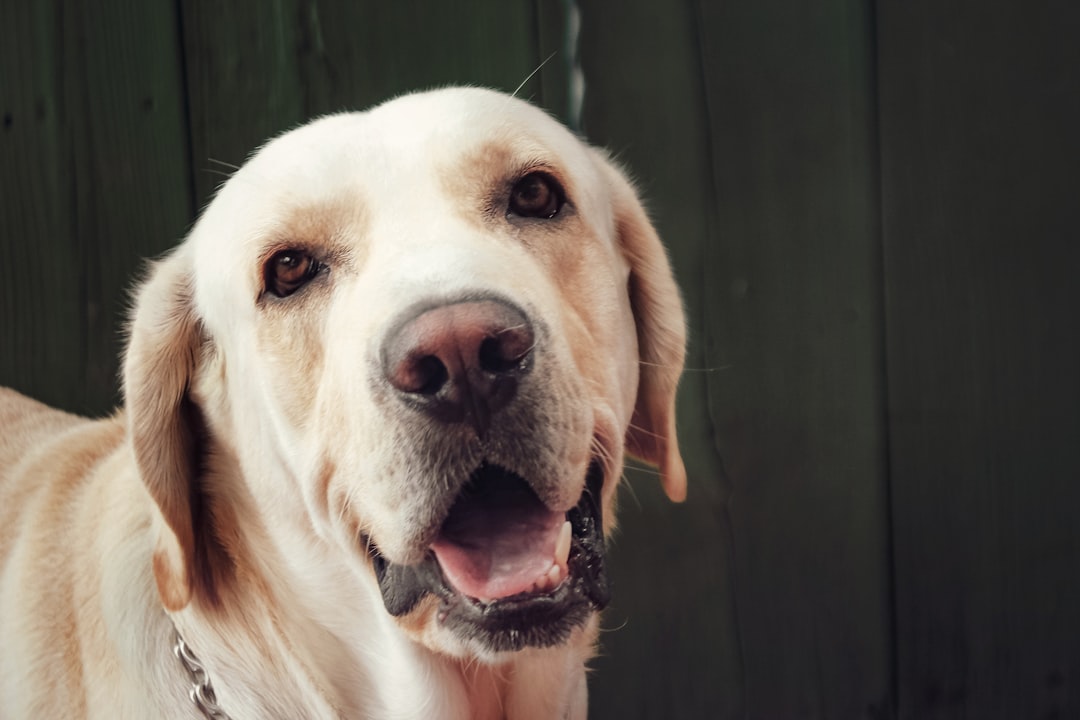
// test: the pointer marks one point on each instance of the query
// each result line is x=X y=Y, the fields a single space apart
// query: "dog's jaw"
x=540 y=612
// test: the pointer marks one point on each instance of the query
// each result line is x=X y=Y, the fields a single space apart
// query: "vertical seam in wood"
x=79 y=148
x=873 y=53
x=535 y=35
x=712 y=223
x=185 y=105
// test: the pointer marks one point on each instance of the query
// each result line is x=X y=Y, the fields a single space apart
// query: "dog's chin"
x=474 y=570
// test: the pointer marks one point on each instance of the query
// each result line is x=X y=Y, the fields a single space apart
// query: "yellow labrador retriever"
x=376 y=409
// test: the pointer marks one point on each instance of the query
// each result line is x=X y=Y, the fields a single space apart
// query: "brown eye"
x=537 y=195
x=289 y=270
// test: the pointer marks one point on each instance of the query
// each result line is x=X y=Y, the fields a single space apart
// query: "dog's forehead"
x=413 y=135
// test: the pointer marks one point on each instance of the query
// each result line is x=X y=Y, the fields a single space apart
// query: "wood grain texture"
x=980 y=110
x=672 y=648
x=97 y=128
x=41 y=324
x=257 y=69
x=243 y=82
x=783 y=609
x=793 y=315
x=672 y=643
x=557 y=50
x=133 y=196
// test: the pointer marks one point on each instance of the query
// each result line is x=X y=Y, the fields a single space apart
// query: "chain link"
x=202 y=691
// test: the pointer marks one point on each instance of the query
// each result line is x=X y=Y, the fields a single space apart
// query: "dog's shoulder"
x=26 y=423
x=29 y=427
x=43 y=450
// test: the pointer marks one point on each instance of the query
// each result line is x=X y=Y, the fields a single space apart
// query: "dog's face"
x=439 y=323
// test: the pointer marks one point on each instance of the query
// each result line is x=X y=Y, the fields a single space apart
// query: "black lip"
x=525 y=620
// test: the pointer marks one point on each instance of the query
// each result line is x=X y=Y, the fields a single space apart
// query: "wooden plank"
x=791 y=316
x=557 y=35
x=243 y=82
x=97 y=141
x=671 y=646
x=980 y=109
x=133 y=193
x=366 y=52
x=256 y=69
x=41 y=348
x=795 y=316
x=752 y=125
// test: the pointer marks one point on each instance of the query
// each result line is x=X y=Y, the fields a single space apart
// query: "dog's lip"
x=537 y=617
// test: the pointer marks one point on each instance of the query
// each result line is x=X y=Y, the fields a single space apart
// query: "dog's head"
x=427 y=332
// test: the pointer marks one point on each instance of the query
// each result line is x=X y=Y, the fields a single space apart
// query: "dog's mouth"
x=508 y=571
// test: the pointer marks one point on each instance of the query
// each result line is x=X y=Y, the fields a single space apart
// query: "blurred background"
x=872 y=208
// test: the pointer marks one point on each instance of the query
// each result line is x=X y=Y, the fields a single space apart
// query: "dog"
x=376 y=408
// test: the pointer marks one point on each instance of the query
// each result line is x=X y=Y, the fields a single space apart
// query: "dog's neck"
x=265 y=674
x=491 y=693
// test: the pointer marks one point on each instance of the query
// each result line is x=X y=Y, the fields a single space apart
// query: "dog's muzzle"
x=508 y=572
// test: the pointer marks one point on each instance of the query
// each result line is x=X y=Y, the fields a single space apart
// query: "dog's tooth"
x=554 y=576
x=562 y=545
x=541 y=583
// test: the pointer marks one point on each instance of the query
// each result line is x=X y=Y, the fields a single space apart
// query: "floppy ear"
x=163 y=423
x=661 y=331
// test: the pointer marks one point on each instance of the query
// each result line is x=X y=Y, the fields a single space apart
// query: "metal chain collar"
x=202 y=691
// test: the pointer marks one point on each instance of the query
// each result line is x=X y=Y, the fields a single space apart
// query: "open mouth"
x=508 y=572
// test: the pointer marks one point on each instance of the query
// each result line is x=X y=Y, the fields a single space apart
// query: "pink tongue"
x=497 y=548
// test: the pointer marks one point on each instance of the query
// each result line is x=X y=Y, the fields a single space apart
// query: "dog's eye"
x=537 y=195
x=289 y=270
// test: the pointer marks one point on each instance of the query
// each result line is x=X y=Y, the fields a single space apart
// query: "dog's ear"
x=163 y=423
x=661 y=334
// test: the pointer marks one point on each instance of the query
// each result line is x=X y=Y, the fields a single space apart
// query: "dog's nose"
x=460 y=362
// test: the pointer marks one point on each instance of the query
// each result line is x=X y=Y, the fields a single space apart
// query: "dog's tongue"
x=498 y=540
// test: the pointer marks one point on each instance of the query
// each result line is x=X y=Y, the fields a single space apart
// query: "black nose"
x=460 y=362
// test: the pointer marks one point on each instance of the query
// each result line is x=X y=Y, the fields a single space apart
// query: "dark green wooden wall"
x=872 y=208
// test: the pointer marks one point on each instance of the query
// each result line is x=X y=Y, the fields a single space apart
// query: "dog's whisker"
x=218 y=173
x=630 y=489
x=646 y=470
x=223 y=163
x=650 y=433
x=716 y=368
x=617 y=628
x=602 y=452
x=530 y=75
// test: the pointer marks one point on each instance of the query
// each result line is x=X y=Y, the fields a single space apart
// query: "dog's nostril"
x=492 y=358
x=506 y=351
x=428 y=376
